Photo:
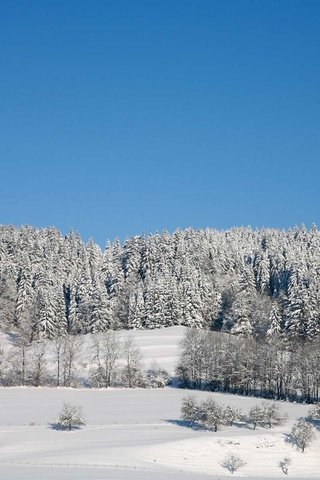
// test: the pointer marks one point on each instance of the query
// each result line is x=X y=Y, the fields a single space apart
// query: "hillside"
x=137 y=433
x=248 y=282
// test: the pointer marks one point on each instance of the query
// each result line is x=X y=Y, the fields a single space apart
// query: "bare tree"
x=21 y=356
x=132 y=370
x=58 y=344
x=3 y=358
x=38 y=363
x=193 y=354
x=107 y=348
x=233 y=462
x=284 y=464
x=72 y=351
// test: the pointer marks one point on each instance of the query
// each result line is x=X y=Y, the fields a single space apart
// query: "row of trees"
x=211 y=414
x=67 y=361
x=248 y=282
x=270 y=368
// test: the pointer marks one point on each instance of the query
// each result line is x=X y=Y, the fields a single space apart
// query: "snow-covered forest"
x=248 y=282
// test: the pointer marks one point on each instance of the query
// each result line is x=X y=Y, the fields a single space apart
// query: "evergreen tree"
x=52 y=284
x=275 y=321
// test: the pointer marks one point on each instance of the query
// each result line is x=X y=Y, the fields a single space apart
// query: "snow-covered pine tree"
x=136 y=313
x=275 y=327
x=186 y=278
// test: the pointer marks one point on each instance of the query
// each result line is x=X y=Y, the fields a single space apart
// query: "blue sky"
x=126 y=117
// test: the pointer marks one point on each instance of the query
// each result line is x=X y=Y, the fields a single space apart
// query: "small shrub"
x=232 y=463
x=284 y=464
x=157 y=377
x=70 y=417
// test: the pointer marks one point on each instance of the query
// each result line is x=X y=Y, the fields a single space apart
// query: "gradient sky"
x=126 y=117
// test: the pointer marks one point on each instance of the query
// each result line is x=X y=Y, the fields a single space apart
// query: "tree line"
x=252 y=283
x=272 y=367
x=103 y=361
x=212 y=415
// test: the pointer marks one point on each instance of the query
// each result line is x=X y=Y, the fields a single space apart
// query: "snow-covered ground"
x=159 y=346
x=136 y=434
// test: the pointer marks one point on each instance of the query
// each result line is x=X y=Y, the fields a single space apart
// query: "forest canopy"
x=252 y=283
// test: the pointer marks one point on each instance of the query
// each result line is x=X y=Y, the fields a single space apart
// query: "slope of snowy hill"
x=160 y=347
x=137 y=433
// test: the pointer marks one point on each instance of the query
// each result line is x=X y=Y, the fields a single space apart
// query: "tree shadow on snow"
x=185 y=424
x=288 y=439
x=62 y=428
x=314 y=422
x=201 y=427
x=241 y=425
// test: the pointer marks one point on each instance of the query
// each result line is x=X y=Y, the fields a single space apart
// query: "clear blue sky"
x=125 y=117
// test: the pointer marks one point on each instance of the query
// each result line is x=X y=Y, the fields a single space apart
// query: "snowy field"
x=136 y=434
x=157 y=346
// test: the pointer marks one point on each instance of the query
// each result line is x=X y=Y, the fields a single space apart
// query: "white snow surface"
x=158 y=346
x=137 y=434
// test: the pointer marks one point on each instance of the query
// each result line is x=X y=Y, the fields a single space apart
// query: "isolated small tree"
x=284 y=464
x=70 y=417
x=302 y=434
x=232 y=463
